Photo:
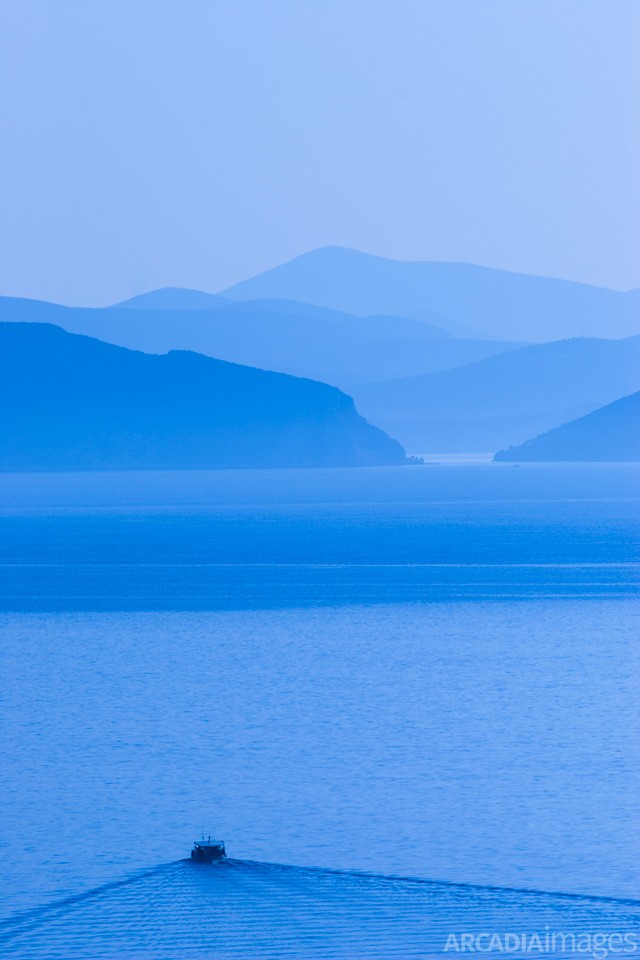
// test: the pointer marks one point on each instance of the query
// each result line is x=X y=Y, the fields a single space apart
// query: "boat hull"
x=208 y=853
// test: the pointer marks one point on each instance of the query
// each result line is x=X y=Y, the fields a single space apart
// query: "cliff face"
x=609 y=433
x=74 y=403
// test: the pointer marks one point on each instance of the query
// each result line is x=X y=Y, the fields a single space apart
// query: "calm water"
x=426 y=672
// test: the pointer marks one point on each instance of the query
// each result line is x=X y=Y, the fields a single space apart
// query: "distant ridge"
x=74 y=403
x=179 y=299
x=510 y=306
x=505 y=399
x=173 y=298
x=609 y=433
x=295 y=338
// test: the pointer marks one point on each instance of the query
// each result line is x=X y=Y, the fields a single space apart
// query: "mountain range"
x=609 y=433
x=295 y=338
x=74 y=403
x=465 y=297
x=414 y=343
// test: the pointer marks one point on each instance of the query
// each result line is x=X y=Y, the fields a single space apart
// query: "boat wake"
x=240 y=908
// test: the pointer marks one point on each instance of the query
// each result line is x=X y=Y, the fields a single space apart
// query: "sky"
x=150 y=143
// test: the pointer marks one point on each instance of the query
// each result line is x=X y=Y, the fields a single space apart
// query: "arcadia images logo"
x=597 y=945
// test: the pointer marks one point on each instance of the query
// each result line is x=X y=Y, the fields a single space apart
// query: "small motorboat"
x=206 y=851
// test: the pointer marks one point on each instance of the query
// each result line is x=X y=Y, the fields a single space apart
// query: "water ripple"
x=263 y=910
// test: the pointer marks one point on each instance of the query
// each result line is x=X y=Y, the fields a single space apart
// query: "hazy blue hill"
x=173 y=298
x=387 y=327
x=511 y=306
x=503 y=400
x=609 y=433
x=453 y=327
x=73 y=403
x=302 y=340
x=424 y=327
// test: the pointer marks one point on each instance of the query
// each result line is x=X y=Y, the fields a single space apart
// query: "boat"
x=206 y=851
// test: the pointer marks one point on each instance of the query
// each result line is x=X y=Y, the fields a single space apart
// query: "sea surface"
x=402 y=696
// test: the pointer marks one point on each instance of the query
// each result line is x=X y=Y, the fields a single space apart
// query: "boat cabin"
x=206 y=851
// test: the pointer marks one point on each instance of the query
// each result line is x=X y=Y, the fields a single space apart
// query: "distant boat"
x=206 y=851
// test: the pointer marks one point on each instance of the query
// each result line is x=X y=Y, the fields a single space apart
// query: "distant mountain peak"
x=501 y=304
x=173 y=298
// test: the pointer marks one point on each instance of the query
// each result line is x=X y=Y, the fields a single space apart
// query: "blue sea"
x=406 y=698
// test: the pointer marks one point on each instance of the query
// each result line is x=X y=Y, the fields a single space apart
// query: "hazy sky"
x=196 y=142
